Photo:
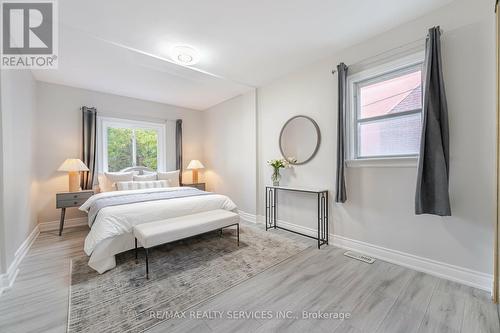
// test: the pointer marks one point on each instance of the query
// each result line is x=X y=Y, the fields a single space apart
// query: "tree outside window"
x=127 y=147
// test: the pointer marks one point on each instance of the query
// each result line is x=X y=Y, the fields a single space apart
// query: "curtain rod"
x=135 y=117
x=384 y=52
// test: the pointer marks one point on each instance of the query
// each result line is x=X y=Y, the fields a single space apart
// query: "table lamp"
x=195 y=165
x=73 y=166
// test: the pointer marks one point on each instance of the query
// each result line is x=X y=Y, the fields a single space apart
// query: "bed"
x=112 y=215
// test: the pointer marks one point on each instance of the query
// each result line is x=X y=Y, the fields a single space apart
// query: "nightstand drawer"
x=72 y=199
x=66 y=196
x=70 y=203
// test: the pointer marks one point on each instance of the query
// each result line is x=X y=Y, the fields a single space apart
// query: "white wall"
x=380 y=203
x=230 y=150
x=59 y=133
x=19 y=185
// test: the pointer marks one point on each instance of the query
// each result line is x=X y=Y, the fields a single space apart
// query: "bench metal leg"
x=147 y=264
x=135 y=250
x=238 y=233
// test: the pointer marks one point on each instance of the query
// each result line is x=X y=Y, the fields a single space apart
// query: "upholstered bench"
x=165 y=231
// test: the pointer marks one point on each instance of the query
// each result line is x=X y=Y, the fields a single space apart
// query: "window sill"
x=392 y=162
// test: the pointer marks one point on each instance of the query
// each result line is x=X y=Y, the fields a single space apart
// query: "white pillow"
x=171 y=176
x=131 y=185
x=146 y=177
x=111 y=178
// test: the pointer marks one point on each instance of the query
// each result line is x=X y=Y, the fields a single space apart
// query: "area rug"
x=181 y=275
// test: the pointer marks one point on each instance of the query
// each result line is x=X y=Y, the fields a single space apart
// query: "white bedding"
x=111 y=232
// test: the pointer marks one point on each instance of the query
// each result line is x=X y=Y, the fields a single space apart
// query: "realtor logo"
x=29 y=35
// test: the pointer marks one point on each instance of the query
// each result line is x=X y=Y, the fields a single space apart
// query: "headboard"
x=139 y=169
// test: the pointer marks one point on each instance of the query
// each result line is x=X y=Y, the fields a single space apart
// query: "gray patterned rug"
x=181 y=275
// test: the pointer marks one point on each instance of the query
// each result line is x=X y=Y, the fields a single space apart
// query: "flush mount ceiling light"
x=184 y=55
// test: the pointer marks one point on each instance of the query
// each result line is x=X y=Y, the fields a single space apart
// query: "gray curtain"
x=341 y=195
x=432 y=195
x=178 y=147
x=89 y=145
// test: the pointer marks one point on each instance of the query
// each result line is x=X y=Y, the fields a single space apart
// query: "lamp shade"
x=73 y=165
x=195 y=164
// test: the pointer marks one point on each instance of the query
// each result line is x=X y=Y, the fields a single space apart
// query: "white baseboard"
x=437 y=268
x=7 y=279
x=69 y=223
x=247 y=216
x=305 y=230
x=440 y=269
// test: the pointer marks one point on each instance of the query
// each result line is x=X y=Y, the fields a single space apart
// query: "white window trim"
x=400 y=162
x=352 y=82
x=105 y=122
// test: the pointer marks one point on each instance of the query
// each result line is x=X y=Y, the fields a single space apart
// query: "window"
x=386 y=111
x=127 y=143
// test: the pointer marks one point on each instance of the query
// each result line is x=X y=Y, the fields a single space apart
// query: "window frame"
x=106 y=122
x=392 y=69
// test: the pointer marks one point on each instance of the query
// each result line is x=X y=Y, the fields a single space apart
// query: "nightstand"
x=70 y=199
x=199 y=186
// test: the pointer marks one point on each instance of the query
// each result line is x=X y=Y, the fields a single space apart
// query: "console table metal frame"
x=272 y=212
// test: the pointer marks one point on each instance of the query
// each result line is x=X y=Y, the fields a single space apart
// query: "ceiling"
x=121 y=46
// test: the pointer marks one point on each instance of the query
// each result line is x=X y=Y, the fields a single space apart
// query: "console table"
x=322 y=214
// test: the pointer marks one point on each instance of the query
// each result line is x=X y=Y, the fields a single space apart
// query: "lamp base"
x=74 y=181
x=195 y=176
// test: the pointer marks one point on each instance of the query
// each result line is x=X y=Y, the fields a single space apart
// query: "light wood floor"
x=380 y=297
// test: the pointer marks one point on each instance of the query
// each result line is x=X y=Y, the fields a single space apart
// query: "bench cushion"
x=169 y=230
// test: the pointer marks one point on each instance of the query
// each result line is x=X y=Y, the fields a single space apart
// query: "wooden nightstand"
x=199 y=186
x=70 y=199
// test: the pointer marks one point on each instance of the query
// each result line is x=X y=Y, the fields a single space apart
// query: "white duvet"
x=111 y=232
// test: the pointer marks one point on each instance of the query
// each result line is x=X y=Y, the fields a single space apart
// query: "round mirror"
x=299 y=139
